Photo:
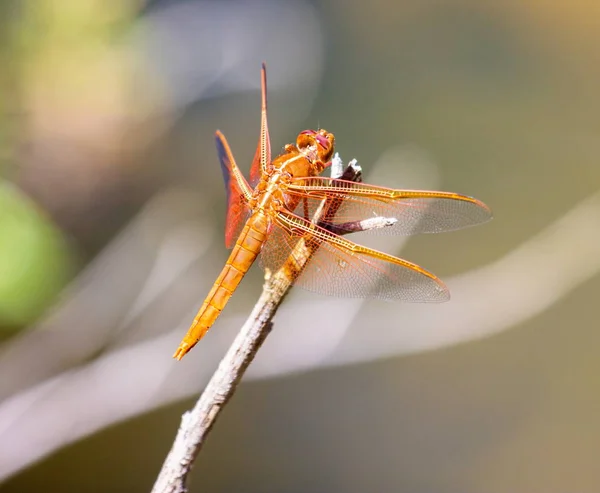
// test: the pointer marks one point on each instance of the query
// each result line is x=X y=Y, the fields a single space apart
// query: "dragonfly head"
x=317 y=146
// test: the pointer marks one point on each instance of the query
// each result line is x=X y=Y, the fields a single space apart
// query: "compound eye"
x=321 y=139
x=306 y=138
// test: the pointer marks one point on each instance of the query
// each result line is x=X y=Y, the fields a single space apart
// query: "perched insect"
x=272 y=212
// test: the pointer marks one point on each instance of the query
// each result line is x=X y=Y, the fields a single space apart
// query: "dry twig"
x=196 y=424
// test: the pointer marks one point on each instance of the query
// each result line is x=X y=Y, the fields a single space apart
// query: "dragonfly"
x=275 y=210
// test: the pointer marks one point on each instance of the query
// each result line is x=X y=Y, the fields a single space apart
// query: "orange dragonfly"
x=272 y=212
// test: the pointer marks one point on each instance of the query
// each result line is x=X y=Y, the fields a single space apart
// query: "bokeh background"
x=111 y=232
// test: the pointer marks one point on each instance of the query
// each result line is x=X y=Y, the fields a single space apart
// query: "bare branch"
x=197 y=423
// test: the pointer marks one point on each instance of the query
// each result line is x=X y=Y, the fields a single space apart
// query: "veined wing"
x=237 y=189
x=262 y=157
x=320 y=261
x=416 y=211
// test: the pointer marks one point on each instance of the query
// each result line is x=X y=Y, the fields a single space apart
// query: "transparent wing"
x=416 y=211
x=262 y=157
x=236 y=189
x=320 y=261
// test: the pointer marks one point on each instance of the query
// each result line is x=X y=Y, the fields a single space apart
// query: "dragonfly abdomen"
x=240 y=260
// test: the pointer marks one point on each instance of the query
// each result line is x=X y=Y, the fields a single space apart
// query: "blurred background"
x=111 y=232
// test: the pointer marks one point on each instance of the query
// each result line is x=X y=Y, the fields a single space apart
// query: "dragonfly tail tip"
x=181 y=351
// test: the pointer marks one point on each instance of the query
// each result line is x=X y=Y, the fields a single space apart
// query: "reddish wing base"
x=237 y=206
